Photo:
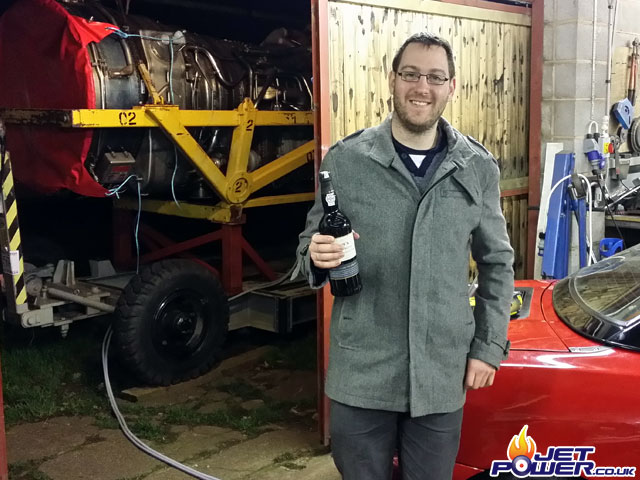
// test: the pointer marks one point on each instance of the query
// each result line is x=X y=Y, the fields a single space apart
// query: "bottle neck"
x=329 y=198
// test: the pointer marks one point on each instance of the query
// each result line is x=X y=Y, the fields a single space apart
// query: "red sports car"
x=566 y=404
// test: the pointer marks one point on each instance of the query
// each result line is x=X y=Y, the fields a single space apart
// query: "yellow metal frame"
x=235 y=187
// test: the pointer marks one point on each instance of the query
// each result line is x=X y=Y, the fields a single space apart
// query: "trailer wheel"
x=171 y=321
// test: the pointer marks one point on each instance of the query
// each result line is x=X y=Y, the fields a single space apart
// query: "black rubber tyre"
x=171 y=322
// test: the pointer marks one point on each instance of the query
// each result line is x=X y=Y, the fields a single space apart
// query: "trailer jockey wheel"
x=171 y=321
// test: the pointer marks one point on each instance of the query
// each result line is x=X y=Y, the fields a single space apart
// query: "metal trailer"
x=172 y=317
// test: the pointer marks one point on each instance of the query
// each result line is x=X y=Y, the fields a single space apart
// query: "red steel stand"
x=234 y=245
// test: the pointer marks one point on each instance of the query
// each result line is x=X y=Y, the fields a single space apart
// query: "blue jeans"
x=363 y=443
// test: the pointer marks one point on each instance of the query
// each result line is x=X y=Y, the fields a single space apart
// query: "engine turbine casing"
x=189 y=70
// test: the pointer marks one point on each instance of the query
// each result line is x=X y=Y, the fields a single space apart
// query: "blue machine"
x=623 y=111
x=565 y=199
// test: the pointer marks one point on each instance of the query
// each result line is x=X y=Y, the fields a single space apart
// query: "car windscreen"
x=602 y=301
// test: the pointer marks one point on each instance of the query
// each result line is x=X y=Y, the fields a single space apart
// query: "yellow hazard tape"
x=12 y=259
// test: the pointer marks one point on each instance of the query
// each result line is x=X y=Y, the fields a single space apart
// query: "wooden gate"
x=492 y=96
x=354 y=44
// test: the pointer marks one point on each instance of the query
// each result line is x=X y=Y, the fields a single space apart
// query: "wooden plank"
x=449 y=10
x=336 y=63
x=482 y=82
x=491 y=5
x=505 y=134
x=522 y=244
x=456 y=44
x=492 y=93
x=514 y=183
x=516 y=145
x=445 y=30
x=374 y=69
x=474 y=80
x=523 y=110
x=491 y=99
x=387 y=50
x=350 y=23
x=468 y=120
x=515 y=238
x=498 y=88
x=361 y=51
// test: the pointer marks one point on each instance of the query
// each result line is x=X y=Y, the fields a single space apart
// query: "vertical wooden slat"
x=338 y=110
x=482 y=79
x=491 y=114
x=506 y=137
x=349 y=66
x=515 y=225
x=456 y=43
x=498 y=82
x=490 y=103
x=522 y=230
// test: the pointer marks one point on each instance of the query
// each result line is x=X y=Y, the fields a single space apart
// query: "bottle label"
x=343 y=271
x=349 y=246
x=330 y=198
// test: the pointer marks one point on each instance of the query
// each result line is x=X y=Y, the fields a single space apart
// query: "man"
x=407 y=347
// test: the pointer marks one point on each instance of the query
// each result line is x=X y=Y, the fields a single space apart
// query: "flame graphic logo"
x=521 y=444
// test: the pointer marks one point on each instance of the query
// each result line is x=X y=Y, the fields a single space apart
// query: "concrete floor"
x=74 y=448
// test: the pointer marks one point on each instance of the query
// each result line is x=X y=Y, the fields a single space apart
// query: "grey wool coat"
x=402 y=343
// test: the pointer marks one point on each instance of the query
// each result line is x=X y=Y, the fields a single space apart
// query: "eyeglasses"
x=432 y=78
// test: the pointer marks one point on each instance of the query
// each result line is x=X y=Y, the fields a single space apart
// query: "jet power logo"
x=526 y=461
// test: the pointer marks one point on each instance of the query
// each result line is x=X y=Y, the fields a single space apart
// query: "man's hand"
x=479 y=374
x=324 y=252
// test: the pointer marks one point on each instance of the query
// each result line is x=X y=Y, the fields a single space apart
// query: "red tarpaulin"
x=44 y=63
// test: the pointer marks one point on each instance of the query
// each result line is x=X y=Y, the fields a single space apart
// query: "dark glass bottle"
x=345 y=278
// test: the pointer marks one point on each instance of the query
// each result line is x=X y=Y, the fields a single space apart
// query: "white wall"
x=569 y=101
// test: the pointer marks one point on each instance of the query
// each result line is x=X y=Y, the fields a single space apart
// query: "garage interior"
x=146 y=200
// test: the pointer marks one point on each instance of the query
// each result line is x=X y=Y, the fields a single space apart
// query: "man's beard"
x=400 y=113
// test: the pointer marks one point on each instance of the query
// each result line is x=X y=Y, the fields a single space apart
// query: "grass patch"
x=248 y=422
x=27 y=471
x=285 y=457
x=148 y=429
x=46 y=376
x=298 y=355
x=106 y=421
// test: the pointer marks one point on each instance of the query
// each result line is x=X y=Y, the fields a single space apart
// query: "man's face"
x=419 y=105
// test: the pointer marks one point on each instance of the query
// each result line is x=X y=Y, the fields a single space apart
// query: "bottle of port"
x=345 y=278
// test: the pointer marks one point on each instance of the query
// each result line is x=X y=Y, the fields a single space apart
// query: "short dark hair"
x=428 y=40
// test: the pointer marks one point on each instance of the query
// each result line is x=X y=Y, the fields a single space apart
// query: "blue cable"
x=122 y=34
x=116 y=191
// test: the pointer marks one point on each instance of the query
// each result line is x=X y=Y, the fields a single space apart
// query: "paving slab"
x=226 y=367
x=299 y=385
x=112 y=458
x=245 y=460
x=210 y=407
x=252 y=404
x=176 y=395
x=33 y=441
x=314 y=468
x=200 y=439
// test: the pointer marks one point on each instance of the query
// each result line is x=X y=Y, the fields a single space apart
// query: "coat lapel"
x=385 y=154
